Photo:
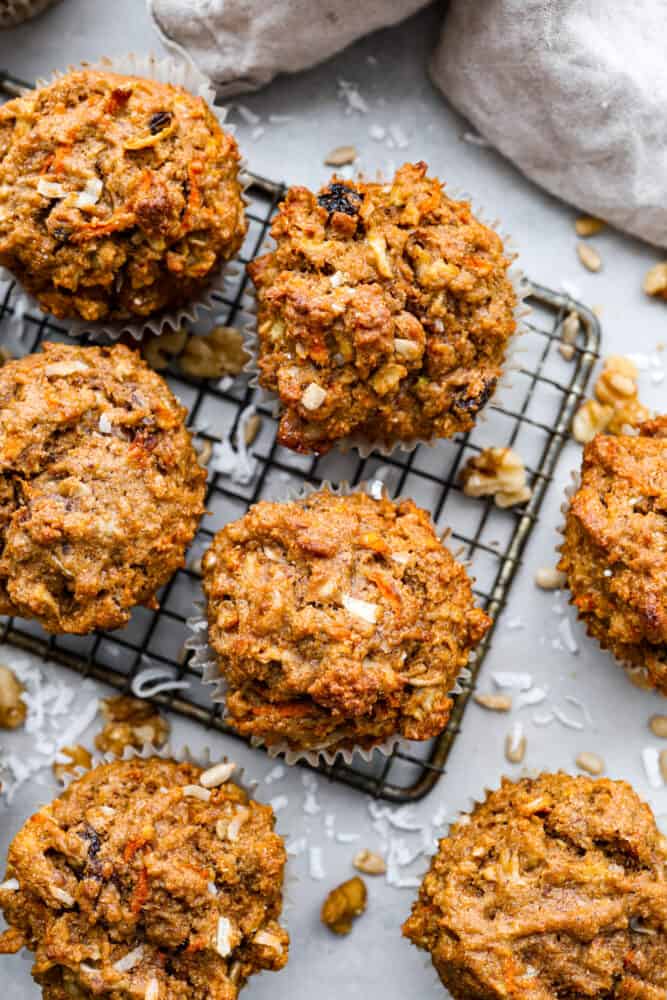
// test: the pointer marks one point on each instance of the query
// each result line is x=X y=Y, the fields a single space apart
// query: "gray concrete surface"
x=389 y=69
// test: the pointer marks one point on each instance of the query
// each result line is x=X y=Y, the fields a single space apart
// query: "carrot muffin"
x=614 y=552
x=147 y=878
x=554 y=887
x=101 y=489
x=119 y=196
x=384 y=312
x=338 y=621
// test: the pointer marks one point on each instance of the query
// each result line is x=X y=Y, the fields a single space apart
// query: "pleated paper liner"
x=205 y=659
x=180 y=73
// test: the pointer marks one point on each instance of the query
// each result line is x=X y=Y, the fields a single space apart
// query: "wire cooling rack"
x=532 y=415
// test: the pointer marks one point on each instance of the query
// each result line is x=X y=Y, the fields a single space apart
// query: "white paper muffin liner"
x=205 y=659
x=637 y=675
x=512 y=363
x=180 y=72
x=13 y=12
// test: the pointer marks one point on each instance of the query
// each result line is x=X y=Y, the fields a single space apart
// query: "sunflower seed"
x=589 y=257
x=590 y=762
x=341 y=155
x=588 y=225
x=550 y=579
x=494 y=702
x=515 y=744
x=658 y=725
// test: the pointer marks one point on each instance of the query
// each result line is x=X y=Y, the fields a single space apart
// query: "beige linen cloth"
x=574 y=92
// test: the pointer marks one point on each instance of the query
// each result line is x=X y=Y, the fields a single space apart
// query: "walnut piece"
x=616 y=402
x=369 y=863
x=496 y=472
x=655 y=281
x=220 y=352
x=130 y=722
x=12 y=707
x=79 y=757
x=343 y=905
x=159 y=350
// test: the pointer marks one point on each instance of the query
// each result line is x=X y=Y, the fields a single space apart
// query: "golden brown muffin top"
x=119 y=196
x=338 y=620
x=139 y=875
x=100 y=486
x=552 y=887
x=615 y=547
x=384 y=312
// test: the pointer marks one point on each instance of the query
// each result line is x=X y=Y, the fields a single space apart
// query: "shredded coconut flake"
x=566 y=721
x=152 y=990
x=533 y=697
x=62 y=896
x=248 y=116
x=361 y=609
x=511 y=679
x=129 y=961
x=296 y=847
x=196 y=792
x=275 y=774
x=651 y=762
x=313 y=396
x=50 y=189
x=315 y=866
x=474 y=139
x=349 y=93
x=90 y=194
x=347 y=838
x=104 y=424
x=11 y=885
x=279 y=802
x=269 y=941
x=142 y=686
x=217 y=775
x=223 y=944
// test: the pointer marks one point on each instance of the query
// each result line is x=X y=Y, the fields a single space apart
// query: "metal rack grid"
x=533 y=415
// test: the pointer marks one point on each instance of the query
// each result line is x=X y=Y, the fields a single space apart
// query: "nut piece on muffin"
x=384 y=312
x=554 y=887
x=119 y=196
x=614 y=552
x=140 y=881
x=101 y=489
x=338 y=622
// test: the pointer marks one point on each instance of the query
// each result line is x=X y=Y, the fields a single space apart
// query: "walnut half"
x=496 y=472
x=343 y=905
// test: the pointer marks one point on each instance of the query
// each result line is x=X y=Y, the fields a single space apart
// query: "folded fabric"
x=243 y=44
x=572 y=91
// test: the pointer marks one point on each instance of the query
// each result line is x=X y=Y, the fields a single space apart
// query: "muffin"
x=337 y=622
x=101 y=491
x=119 y=196
x=143 y=880
x=554 y=887
x=384 y=313
x=614 y=550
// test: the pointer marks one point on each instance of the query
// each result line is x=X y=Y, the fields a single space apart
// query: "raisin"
x=340 y=198
x=472 y=404
x=94 y=843
x=158 y=121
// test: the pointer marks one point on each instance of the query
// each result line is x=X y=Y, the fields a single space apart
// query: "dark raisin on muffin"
x=119 y=196
x=338 y=621
x=384 y=312
x=614 y=551
x=101 y=488
x=147 y=878
x=553 y=887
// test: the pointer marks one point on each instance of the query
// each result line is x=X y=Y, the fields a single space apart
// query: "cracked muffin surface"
x=338 y=621
x=101 y=488
x=384 y=312
x=614 y=551
x=138 y=881
x=553 y=887
x=119 y=195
